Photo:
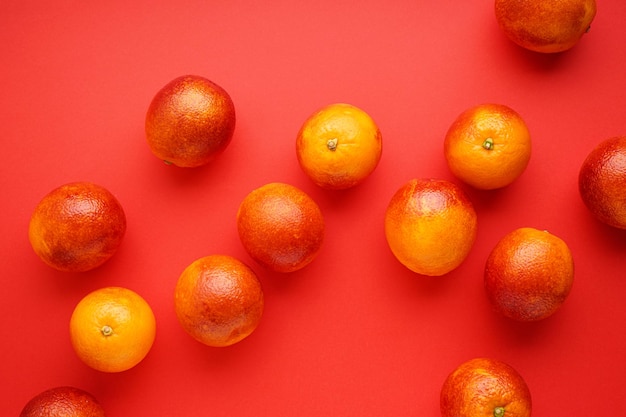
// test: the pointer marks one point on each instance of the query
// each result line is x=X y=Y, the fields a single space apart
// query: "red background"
x=354 y=333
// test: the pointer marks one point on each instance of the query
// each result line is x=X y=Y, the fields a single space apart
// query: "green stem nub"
x=488 y=144
x=332 y=144
x=498 y=412
x=106 y=330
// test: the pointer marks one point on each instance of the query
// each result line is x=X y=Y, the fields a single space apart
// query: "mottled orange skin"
x=280 y=227
x=77 y=227
x=529 y=274
x=190 y=121
x=545 y=26
x=484 y=387
x=112 y=329
x=488 y=146
x=339 y=146
x=602 y=182
x=430 y=226
x=219 y=300
x=63 y=402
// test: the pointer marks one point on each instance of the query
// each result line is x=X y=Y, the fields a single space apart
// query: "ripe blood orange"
x=63 y=402
x=339 y=146
x=602 y=182
x=529 y=274
x=485 y=387
x=112 y=329
x=77 y=227
x=280 y=227
x=430 y=226
x=190 y=121
x=488 y=146
x=219 y=300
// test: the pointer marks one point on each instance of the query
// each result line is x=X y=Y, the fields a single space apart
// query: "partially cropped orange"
x=430 y=226
x=339 y=146
x=281 y=227
x=112 y=329
x=77 y=227
x=219 y=300
x=488 y=146
x=63 y=401
x=545 y=26
x=602 y=182
x=190 y=121
x=529 y=274
x=485 y=387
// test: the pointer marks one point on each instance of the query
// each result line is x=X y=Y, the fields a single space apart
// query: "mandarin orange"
x=190 y=121
x=602 y=182
x=218 y=300
x=112 y=329
x=430 y=226
x=77 y=227
x=63 y=401
x=488 y=146
x=281 y=227
x=529 y=274
x=485 y=387
x=339 y=146
x=545 y=26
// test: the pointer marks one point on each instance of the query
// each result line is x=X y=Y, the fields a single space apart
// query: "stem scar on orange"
x=488 y=146
x=112 y=329
x=430 y=226
x=339 y=146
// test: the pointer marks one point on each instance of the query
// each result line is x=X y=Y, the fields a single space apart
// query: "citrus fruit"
x=339 y=146
x=430 y=226
x=602 y=182
x=488 y=146
x=77 y=227
x=280 y=227
x=63 y=402
x=485 y=387
x=190 y=121
x=218 y=300
x=112 y=329
x=529 y=274
x=545 y=26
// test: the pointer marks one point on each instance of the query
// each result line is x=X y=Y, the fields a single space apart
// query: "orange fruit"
x=488 y=146
x=63 y=402
x=219 y=300
x=112 y=329
x=339 y=146
x=280 y=227
x=77 y=227
x=529 y=274
x=485 y=387
x=545 y=26
x=190 y=121
x=602 y=182
x=430 y=226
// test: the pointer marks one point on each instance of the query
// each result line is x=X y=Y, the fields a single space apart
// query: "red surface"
x=355 y=333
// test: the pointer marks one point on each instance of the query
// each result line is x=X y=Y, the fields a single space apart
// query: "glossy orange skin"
x=339 y=146
x=280 y=227
x=63 y=402
x=602 y=182
x=430 y=226
x=190 y=121
x=529 y=274
x=488 y=146
x=485 y=387
x=545 y=26
x=77 y=227
x=112 y=329
x=219 y=300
